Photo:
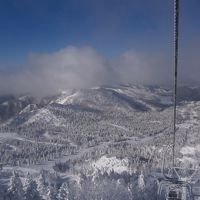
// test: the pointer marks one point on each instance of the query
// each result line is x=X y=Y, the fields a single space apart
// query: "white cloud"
x=70 y=67
x=74 y=67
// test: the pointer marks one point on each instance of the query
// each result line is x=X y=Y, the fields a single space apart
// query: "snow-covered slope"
x=108 y=164
x=137 y=98
x=46 y=116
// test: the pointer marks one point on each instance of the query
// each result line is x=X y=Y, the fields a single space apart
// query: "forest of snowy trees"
x=107 y=186
x=40 y=141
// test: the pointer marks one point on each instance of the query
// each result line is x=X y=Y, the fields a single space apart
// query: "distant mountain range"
x=124 y=97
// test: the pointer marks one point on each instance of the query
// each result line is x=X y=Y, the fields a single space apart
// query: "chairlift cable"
x=176 y=40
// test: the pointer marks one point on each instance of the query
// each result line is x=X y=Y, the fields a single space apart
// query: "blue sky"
x=111 y=28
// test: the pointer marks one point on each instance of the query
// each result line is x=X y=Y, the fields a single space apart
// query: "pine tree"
x=41 y=186
x=63 y=192
x=141 y=183
x=184 y=193
x=15 y=188
x=31 y=192
x=51 y=193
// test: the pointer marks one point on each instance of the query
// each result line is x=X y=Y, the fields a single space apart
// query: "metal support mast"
x=176 y=34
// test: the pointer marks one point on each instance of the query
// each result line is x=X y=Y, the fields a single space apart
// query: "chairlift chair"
x=175 y=187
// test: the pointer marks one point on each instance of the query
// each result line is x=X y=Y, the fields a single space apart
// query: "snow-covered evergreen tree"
x=63 y=192
x=184 y=193
x=30 y=190
x=141 y=183
x=41 y=186
x=51 y=193
x=15 y=188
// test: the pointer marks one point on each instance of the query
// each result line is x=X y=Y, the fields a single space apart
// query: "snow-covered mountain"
x=122 y=97
x=139 y=98
x=12 y=105
x=98 y=131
